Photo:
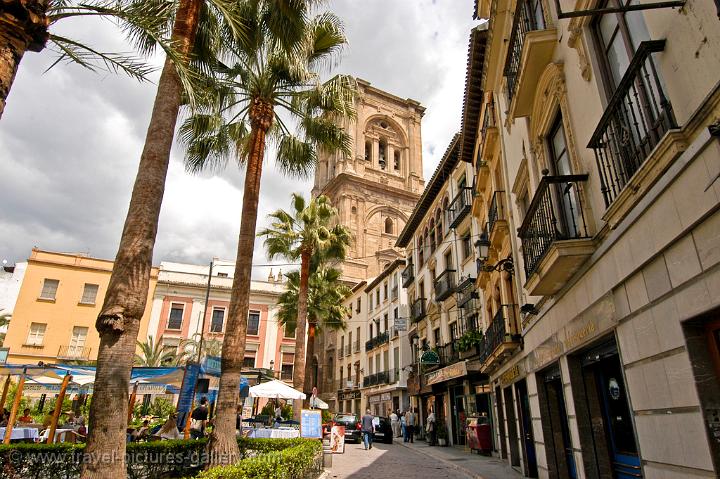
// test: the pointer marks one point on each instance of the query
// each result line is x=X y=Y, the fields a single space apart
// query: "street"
x=388 y=461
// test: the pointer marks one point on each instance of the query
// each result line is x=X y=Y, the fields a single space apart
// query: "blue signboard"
x=211 y=366
x=311 y=424
x=187 y=391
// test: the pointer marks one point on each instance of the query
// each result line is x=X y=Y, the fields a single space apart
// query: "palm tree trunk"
x=310 y=354
x=126 y=297
x=300 y=331
x=23 y=27
x=222 y=447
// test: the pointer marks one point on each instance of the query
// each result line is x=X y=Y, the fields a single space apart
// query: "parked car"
x=352 y=426
x=383 y=430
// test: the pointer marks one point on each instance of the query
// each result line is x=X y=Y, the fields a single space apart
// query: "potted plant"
x=442 y=434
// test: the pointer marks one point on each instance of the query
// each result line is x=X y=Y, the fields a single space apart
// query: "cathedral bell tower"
x=375 y=189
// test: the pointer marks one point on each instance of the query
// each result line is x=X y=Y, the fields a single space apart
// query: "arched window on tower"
x=368 y=150
x=396 y=160
x=382 y=153
x=388 y=226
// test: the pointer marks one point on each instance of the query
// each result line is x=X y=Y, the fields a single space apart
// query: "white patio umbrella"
x=275 y=389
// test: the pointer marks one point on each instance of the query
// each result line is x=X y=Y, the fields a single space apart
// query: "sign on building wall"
x=453 y=371
x=346 y=395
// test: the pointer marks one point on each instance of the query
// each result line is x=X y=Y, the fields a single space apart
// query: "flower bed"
x=144 y=460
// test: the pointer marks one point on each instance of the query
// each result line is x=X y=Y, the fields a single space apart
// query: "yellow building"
x=59 y=300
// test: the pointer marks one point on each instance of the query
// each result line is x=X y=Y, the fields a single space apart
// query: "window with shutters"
x=36 y=335
x=89 y=295
x=49 y=289
x=176 y=316
x=218 y=318
x=253 y=323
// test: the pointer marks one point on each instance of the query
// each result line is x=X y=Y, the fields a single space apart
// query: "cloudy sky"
x=70 y=140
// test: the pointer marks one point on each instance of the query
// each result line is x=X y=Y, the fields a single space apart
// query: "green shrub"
x=297 y=462
x=144 y=459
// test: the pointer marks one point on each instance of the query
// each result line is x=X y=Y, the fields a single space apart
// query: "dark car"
x=352 y=425
x=383 y=430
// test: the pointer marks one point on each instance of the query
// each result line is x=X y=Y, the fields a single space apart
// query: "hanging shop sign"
x=453 y=371
x=346 y=395
x=400 y=324
x=429 y=358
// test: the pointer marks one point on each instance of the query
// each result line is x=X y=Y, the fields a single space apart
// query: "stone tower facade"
x=375 y=189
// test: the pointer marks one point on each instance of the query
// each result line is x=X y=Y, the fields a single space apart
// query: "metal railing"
x=497 y=209
x=286 y=375
x=445 y=284
x=497 y=333
x=356 y=346
x=529 y=17
x=488 y=117
x=347 y=350
x=555 y=214
x=448 y=354
x=74 y=352
x=383 y=377
x=407 y=275
x=459 y=207
x=378 y=340
x=417 y=310
x=636 y=118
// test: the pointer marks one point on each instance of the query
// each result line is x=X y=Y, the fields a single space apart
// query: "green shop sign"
x=429 y=357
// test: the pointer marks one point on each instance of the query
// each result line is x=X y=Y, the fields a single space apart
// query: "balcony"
x=459 y=207
x=497 y=223
x=383 y=377
x=407 y=275
x=76 y=353
x=417 y=310
x=448 y=354
x=378 y=340
x=530 y=50
x=637 y=116
x=445 y=285
x=555 y=237
x=347 y=350
x=370 y=380
x=489 y=130
x=501 y=339
x=356 y=346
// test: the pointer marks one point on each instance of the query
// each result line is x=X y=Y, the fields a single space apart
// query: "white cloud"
x=70 y=139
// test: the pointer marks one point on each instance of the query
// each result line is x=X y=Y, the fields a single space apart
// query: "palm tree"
x=189 y=349
x=119 y=320
x=27 y=26
x=4 y=321
x=300 y=234
x=277 y=71
x=154 y=354
x=325 y=309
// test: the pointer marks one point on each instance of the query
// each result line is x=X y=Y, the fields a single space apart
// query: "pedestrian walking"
x=431 y=429
x=395 y=424
x=403 y=427
x=410 y=426
x=198 y=419
x=368 y=429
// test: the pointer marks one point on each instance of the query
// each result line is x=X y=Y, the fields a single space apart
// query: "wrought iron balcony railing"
x=459 y=207
x=555 y=214
x=74 y=352
x=448 y=354
x=445 y=285
x=417 y=310
x=383 y=377
x=497 y=333
x=497 y=209
x=347 y=350
x=636 y=118
x=528 y=17
x=407 y=275
x=370 y=380
x=488 y=118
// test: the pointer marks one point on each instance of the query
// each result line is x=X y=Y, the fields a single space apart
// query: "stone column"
x=389 y=159
x=376 y=154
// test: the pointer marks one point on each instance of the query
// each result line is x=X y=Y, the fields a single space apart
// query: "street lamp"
x=483 y=251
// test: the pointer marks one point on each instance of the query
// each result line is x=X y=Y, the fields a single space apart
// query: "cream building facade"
x=600 y=132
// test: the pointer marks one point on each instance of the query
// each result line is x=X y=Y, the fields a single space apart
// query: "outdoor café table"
x=60 y=435
x=21 y=433
x=275 y=433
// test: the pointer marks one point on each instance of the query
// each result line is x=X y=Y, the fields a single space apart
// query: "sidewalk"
x=474 y=465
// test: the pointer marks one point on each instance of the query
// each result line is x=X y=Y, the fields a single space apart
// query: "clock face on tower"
x=375 y=189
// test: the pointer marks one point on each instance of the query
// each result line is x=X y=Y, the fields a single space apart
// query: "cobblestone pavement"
x=391 y=461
